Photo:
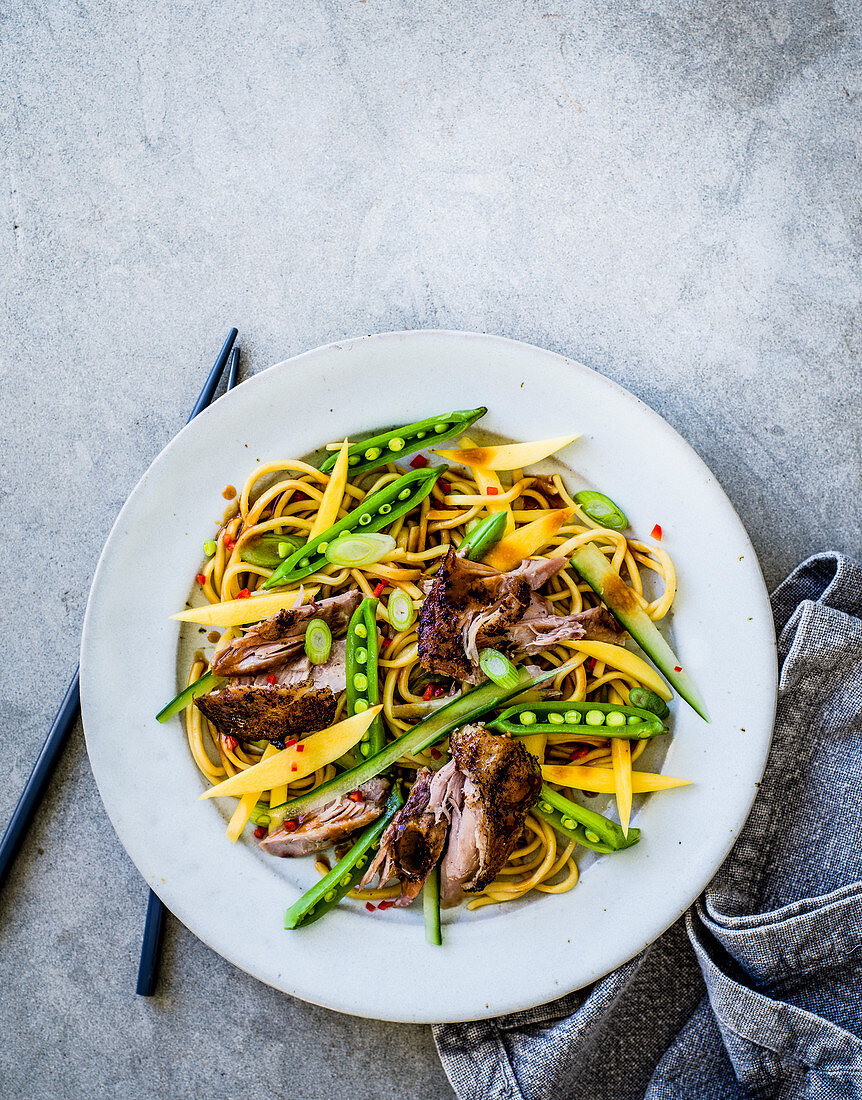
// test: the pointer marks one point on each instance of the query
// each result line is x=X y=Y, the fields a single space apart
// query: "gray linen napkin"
x=757 y=992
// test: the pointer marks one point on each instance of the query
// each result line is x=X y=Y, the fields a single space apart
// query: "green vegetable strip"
x=327 y=893
x=578 y=833
x=386 y=447
x=375 y=512
x=431 y=908
x=462 y=710
x=601 y=509
x=208 y=682
x=572 y=814
x=485 y=535
x=266 y=552
x=363 y=688
x=614 y=720
x=619 y=599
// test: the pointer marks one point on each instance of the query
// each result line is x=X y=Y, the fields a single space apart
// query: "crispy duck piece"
x=268 y=713
x=470 y=606
x=331 y=823
x=414 y=839
x=275 y=641
x=501 y=782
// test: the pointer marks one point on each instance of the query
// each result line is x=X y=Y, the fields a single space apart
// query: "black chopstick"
x=154 y=926
x=31 y=796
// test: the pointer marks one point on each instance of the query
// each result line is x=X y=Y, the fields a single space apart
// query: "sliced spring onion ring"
x=400 y=611
x=498 y=668
x=318 y=641
x=354 y=550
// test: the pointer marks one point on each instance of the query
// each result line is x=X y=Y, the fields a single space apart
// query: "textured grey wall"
x=667 y=192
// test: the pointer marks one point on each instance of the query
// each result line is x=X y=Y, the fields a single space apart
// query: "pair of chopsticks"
x=31 y=796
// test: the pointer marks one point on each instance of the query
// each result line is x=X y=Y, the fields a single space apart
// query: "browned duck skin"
x=268 y=713
x=331 y=823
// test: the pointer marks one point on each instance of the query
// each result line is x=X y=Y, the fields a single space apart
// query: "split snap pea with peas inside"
x=363 y=688
x=598 y=719
x=386 y=447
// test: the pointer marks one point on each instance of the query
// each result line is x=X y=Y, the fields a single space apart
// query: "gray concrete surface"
x=667 y=191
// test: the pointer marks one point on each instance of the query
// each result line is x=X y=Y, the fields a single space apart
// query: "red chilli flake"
x=271 y=679
x=428 y=693
x=291 y=826
x=386 y=905
x=384 y=642
x=231 y=743
x=293 y=767
x=300 y=748
x=656 y=533
x=436 y=754
x=491 y=491
x=677 y=668
x=356 y=796
x=578 y=753
x=200 y=578
x=445 y=487
x=229 y=543
x=243 y=594
x=260 y=832
x=378 y=589
x=369 y=907
x=419 y=462
x=289 y=744
x=590 y=663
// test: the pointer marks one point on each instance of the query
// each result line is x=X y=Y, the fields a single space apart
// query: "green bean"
x=327 y=893
x=431 y=907
x=648 y=700
x=572 y=815
x=375 y=512
x=479 y=539
x=601 y=509
x=363 y=688
x=386 y=447
x=207 y=683
x=609 y=719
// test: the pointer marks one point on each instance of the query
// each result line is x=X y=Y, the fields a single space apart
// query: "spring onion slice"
x=350 y=551
x=498 y=668
x=318 y=641
x=400 y=611
x=601 y=509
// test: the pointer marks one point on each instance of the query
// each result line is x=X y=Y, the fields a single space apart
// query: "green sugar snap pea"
x=608 y=719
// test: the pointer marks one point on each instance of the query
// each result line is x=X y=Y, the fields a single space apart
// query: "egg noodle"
x=283 y=497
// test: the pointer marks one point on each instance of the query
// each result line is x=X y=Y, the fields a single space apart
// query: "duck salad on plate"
x=422 y=669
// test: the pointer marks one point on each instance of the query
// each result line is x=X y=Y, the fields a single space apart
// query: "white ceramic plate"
x=500 y=958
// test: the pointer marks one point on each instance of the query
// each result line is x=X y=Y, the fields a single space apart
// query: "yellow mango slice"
x=621 y=757
x=246 y=804
x=288 y=765
x=509 y=456
x=526 y=541
x=487 y=479
x=601 y=780
x=619 y=657
x=330 y=502
x=238 y=612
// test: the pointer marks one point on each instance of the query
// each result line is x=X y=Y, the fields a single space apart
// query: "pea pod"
x=265 y=551
x=648 y=700
x=595 y=719
x=481 y=538
x=571 y=815
x=363 y=688
x=386 y=447
x=375 y=512
x=574 y=831
x=601 y=509
x=327 y=893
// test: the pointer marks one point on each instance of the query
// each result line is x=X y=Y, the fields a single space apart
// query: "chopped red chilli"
x=386 y=905
x=656 y=533
x=436 y=754
x=293 y=767
x=419 y=462
x=231 y=743
x=428 y=693
x=200 y=578
x=378 y=589
x=229 y=543
x=291 y=826
x=260 y=832
x=677 y=668
x=444 y=485
x=369 y=907
x=271 y=679
x=243 y=594
x=289 y=744
x=356 y=796
x=578 y=753
x=492 y=491
x=300 y=748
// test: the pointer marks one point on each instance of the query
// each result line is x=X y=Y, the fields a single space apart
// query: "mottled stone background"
x=668 y=192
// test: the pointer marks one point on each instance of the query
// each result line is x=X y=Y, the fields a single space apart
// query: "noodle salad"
x=417 y=671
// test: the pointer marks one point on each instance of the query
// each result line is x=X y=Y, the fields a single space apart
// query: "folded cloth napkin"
x=757 y=992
